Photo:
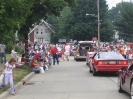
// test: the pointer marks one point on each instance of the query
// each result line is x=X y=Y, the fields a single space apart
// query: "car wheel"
x=94 y=72
x=120 y=90
x=131 y=93
x=90 y=70
x=86 y=63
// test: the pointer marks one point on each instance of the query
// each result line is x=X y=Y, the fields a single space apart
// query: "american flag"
x=124 y=74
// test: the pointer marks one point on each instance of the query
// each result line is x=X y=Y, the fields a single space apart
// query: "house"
x=41 y=33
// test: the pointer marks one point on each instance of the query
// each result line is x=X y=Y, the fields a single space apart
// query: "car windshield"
x=110 y=56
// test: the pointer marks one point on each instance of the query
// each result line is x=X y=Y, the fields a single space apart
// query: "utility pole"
x=98 y=9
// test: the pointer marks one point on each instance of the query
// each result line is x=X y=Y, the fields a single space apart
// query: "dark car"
x=83 y=48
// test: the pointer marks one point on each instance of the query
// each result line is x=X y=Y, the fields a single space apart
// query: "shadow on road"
x=101 y=74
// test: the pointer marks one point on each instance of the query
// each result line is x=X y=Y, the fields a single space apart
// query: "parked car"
x=89 y=57
x=125 y=80
x=84 y=46
x=107 y=62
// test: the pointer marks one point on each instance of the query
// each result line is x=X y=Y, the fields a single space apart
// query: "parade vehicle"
x=107 y=62
x=125 y=80
x=89 y=57
x=83 y=47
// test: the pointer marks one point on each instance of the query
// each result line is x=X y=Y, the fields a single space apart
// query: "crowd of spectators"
x=124 y=49
x=43 y=56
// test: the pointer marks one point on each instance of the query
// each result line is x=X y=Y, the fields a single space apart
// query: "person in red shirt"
x=35 y=66
x=23 y=58
x=38 y=55
x=53 y=52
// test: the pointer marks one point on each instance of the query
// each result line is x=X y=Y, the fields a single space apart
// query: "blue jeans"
x=3 y=54
x=36 y=70
x=55 y=57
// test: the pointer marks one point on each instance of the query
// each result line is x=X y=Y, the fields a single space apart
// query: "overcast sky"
x=112 y=3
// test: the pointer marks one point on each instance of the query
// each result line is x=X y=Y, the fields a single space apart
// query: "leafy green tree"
x=41 y=9
x=21 y=14
x=12 y=16
x=124 y=22
x=76 y=25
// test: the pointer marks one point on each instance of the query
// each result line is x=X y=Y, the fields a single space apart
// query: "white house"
x=41 y=33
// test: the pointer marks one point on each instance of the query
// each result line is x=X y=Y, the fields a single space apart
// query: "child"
x=49 y=58
x=42 y=67
x=46 y=65
x=8 y=73
x=23 y=58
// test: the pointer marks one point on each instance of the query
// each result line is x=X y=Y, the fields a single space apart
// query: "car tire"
x=120 y=90
x=131 y=92
x=90 y=70
x=94 y=72
x=86 y=63
x=74 y=57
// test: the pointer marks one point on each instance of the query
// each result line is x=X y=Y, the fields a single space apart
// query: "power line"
x=112 y=2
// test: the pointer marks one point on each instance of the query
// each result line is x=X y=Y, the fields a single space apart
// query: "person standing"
x=54 y=53
x=67 y=51
x=3 y=54
x=8 y=73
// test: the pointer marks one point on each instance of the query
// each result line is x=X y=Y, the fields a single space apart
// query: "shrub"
x=9 y=47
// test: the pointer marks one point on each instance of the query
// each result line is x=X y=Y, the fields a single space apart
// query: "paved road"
x=70 y=80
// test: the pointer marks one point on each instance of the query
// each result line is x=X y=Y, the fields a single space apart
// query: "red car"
x=107 y=62
x=89 y=56
x=125 y=80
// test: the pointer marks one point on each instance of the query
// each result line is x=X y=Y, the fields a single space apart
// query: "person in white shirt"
x=67 y=51
x=8 y=73
x=14 y=54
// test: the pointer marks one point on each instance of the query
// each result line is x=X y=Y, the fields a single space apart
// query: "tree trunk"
x=26 y=47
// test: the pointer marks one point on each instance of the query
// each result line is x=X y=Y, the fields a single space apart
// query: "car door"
x=128 y=78
x=94 y=61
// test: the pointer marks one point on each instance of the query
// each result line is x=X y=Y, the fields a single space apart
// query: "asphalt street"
x=70 y=80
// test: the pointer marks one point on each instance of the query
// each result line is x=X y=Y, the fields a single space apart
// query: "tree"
x=12 y=16
x=77 y=25
x=124 y=23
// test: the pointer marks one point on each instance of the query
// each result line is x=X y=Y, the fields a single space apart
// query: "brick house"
x=41 y=33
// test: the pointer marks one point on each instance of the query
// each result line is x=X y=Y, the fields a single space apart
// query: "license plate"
x=112 y=62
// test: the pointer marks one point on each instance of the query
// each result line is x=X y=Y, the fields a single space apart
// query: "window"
x=40 y=39
x=41 y=31
x=36 y=31
x=46 y=39
x=47 y=30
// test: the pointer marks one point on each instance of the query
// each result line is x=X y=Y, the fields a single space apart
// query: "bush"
x=9 y=47
x=17 y=49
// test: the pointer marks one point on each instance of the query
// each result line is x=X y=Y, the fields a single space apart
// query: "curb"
x=17 y=86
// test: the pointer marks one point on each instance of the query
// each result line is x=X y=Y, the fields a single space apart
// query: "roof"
x=86 y=42
x=48 y=25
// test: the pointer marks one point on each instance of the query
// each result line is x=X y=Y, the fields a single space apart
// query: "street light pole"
x=98 y=22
